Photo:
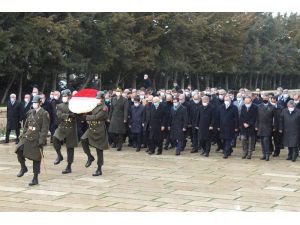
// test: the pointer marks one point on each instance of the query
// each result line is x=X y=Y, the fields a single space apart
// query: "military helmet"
x=66 y=93
x=36 y=99
x=100 y=95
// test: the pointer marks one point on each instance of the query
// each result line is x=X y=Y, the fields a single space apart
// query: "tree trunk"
x=240 y=81
x=7 y=88
x=262 y=82
x=182 y=82
x=167 y=78
x=154 y=84
x=250 y=82
x=226 y=82
x=87 y=81
x=54 y=81
x=274 y=82
x=118 y=80
x=20 y=88
x=197 y=82
x=207 y=81
x=44 y=85
x=212 y=81
x=133 y=82
x=280 y=80
x=256 y=81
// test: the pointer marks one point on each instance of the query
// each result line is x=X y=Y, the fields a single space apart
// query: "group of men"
x=163 y=119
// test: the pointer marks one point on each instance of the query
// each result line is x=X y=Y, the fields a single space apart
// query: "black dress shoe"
x=225 y=157
x=119 y=149
x=97 y=173
x=267 y=158
x=177 y=153
x=206 y=154
x=158 y=153
x=22 y=172
x=34 y=182
x=244 y=157
x=89 y=161
x=58 y=160
x=249 y=157
x=218 y=149
x=67 y=170
x=202 y=153
x=194 y=151
x=150 y=153
x=263 y=158
x=113 y=146
x=166 y=148
x=138 y=149
x=289 y=158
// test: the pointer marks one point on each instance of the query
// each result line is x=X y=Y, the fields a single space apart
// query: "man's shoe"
x=67 y=170
x=194 y=151
x=225 y=157
x=34 y=182
x=263 y=158
x=22 y=172
x=98 y=172
x=58 y=159
x=138 y=149
x=89 y=161
x=158 y=153
x=206 y=154
x=249 y=157
x=289 y=158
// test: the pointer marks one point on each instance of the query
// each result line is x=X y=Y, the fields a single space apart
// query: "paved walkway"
x=135 y=181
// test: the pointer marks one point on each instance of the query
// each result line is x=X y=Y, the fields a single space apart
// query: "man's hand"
x=236 y=130
x=162 y=128
x=197 y=128
x=280 y=131
x=210 y=128
x=218 y=129
x=143 y=124
x=246 y=125
x=108 y=121
x=183 y=129
x=125 y=121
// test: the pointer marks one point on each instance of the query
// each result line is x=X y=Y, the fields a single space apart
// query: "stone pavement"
x=135 y=181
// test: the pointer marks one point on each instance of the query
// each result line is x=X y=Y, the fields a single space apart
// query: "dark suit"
x=264 y=124
x=155 y=119
x=193 y=116
x=277 y=136
x=248 y=135
x=14 y=117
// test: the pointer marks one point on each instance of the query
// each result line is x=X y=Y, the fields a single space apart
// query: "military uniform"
x=33 y=138
x=66 y=131
x=96 y=135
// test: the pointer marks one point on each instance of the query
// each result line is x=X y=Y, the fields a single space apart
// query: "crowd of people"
x=157 y=120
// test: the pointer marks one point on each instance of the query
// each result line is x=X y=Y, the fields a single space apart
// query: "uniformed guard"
x=33 y=139
x=96 y=136
x=66 y=131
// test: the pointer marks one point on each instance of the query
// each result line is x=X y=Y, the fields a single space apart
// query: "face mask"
x=65 y=99
x=156 y=104
x=162 y=94
x=296 y=102
x=187 y=93
x=51 y=96
x=26 y=100
x=274 y=104
x=239 y=99
x=160 y=100
x=124 y=95
x=221 y=97
x=34 y=93
x=227 y=103
x=265 y=101
x=231 y=97
x=182 y=101
x=142 y=96
x=118 y=94
x=35 y=105
x=204 y=103
x=56 y=97
x=285 y=95
x=175 y=104
x=136 y=104
x=107 y=100
x=247 y=105
x=12 y=100
x=196 y=101
x=291 y=109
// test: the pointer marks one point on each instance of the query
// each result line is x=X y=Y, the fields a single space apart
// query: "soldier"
x=96 y=136
x=118 y=116
x=66 y=131
x=33 y=139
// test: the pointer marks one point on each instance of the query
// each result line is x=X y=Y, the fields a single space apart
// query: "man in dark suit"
x=168 y=104
x=205 y=122
x=247 y=127
x=156 y=122
x=14 y=117
x=178 y=125
x=290 y=127
x=228 y=123
x=264 y=125
x=27 y=104
x=296 y=101
x=277 y=136
x=193 y=116
x=285 y=98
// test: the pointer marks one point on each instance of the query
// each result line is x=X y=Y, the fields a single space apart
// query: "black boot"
x=22 y=172
x=68 y=169
x=34 y=180
x=98 y=172
x=58 y=159
x=89 y=161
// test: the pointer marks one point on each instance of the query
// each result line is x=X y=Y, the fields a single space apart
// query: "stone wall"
x=2 y=117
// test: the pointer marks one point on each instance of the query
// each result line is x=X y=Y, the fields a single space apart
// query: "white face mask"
x=285 y=95
x=142 y=96
x=175 y=104
x=136 y=104
x=204 y=103
x=51 y=96
x=118 y=94
x=12 y=100
x=291 y=109
x=296 y=102
x=196 y=101
x=239 y=99
x=26 y=100
x=247 y=105
x=227 y=103
x=56 y=97
x=124 y=95
x=182 y=101
x=34 y=93
x=35 y=105
x=65 y=99
x=221 y=97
